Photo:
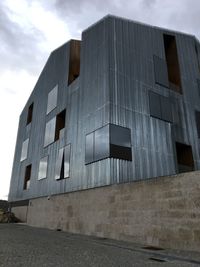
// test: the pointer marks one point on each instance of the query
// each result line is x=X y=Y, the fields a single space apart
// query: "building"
x=121 y=105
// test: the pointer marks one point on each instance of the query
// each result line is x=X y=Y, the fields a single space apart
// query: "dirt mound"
x=7 y=217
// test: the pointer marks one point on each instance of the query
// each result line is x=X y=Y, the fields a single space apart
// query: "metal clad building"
x=120 y=105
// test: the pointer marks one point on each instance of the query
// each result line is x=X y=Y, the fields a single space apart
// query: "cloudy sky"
x=31 y=29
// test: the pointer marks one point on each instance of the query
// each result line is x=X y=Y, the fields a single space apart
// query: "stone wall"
x=162 y=212
x=20 y=213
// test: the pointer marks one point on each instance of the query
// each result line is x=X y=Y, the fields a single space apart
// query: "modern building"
x=121 y=105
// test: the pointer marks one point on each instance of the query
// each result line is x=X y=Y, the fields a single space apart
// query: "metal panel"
x=24 y=151
x=101 y=143
x=52 y=99
x=197 y=117
x=116 y=74
x=198 y=84
x=50 y=132
x=89 y=148
x=43 y=168
x=59 y=163
x=155 y=105
x=160 y=69
x=166 y=109
x=67 y=151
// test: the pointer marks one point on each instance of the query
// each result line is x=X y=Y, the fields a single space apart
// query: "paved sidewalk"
x=24 y=246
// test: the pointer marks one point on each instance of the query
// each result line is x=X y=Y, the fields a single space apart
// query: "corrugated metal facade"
x=116 y=75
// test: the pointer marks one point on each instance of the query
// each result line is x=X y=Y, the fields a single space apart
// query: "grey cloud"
x=178 y=15
x=19 y=49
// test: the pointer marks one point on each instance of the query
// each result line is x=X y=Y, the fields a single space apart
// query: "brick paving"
x=24 y=246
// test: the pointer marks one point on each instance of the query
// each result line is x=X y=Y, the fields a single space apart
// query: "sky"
x=31 y=29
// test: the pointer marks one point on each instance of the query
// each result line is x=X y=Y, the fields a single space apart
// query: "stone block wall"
x=162 y=212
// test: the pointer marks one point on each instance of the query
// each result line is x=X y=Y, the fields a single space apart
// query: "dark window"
x=160 y=107
x=160 y=69
x=109 y=141
x=74 y=61
x=184 y=157
x=30 y=114
x=27 y=177
x=63 y=163
x=120 y=142
x=172 y=62
x=197 y=117
x=60 y=124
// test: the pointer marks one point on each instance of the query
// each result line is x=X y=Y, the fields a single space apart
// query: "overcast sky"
x=30 y=30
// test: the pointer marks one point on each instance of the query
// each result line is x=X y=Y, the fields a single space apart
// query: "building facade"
x=121 y=105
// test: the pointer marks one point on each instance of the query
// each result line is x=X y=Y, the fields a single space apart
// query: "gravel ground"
x=25 y=246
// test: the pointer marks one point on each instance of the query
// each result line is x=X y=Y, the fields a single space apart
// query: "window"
x=160 y=107
x=52 y=99
x=27 y=177
x=120 y=142
x=160 y=69
x=111 y=141
x=50 y=132
x=43 y=168
x=60 y=124
x=63 y=163
x=184 y=157
x=54 y=127
x=172 y=62
x=74 y=61
x=30 y=114
x=97 y=145
x=24 y=150
x=197 y=117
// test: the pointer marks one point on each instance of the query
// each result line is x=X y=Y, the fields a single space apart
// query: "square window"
x=120 y=142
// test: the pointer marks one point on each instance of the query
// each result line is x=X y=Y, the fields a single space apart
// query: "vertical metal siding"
x=116 y=75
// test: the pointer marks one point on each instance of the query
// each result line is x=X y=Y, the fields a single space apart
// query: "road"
x=25 y=246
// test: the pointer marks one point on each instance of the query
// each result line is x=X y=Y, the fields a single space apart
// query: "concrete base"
x=162 y=212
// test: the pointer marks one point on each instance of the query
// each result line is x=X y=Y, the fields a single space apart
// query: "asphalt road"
x=24 y=246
